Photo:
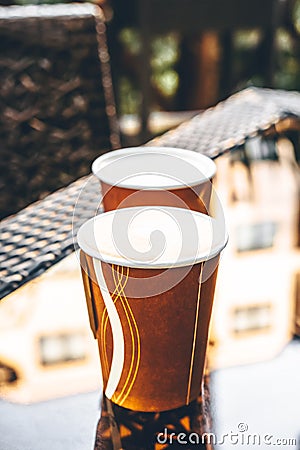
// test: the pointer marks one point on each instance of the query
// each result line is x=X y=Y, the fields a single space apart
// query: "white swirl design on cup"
x=117 y=363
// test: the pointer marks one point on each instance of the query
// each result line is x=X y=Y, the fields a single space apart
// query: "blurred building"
x=255 y=304
x=46 y=347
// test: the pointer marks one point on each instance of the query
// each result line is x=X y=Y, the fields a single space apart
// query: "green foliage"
x=165 y=79
x=247 y=39
x=296 y=16
x=130 y=98
x=165 y=54
x=131 y=40
x=165 y=51
x=288 y=70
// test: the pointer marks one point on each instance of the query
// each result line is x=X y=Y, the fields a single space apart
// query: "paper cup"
x=140 y=176
x=149 y=291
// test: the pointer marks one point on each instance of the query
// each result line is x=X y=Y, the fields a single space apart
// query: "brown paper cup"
x=151 y=315
x=140 y=176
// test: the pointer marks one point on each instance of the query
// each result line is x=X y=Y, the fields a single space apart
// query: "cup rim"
x=87 y=229
x=208 y=166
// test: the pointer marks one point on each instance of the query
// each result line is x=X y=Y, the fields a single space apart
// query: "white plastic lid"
x=152 y=237
x=153 y=168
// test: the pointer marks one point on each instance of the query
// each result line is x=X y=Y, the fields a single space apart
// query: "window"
x=252 y=318
x=261 y=148
x=255 y=236
x=7 y=375
x=62 y=348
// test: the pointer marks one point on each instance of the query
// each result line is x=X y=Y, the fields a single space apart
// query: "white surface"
x=153 y=168
x=152 y=237
x=64 y=424
x=264 y=396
